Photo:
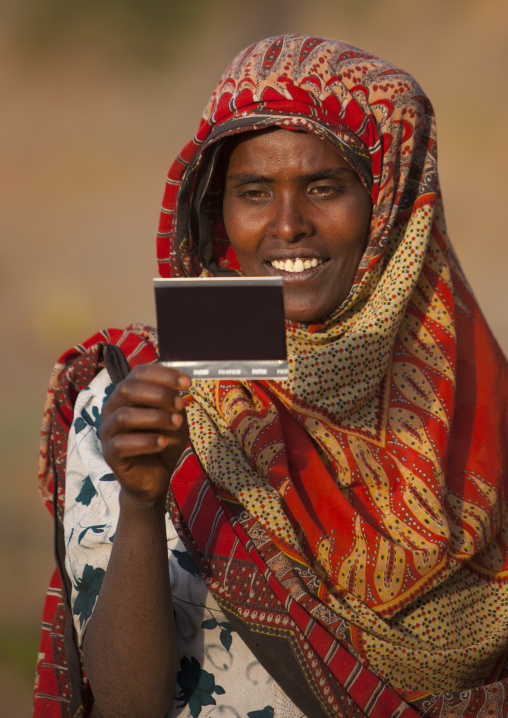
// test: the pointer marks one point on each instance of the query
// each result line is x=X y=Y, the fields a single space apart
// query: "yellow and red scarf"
x=377 y=472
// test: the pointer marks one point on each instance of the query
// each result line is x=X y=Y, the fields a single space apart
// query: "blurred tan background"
x=97 y=99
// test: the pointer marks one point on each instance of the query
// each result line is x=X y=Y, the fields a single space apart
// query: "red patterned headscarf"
x=372 y=483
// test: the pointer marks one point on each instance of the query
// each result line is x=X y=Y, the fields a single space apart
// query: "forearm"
x=130 y=647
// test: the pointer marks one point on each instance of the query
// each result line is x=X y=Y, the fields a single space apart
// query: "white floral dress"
x=218 y=675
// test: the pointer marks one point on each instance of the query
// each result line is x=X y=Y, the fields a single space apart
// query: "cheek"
x=233 y=221
x=357 y=223
x=228 y=216
x=364 y=216
x=240 y=229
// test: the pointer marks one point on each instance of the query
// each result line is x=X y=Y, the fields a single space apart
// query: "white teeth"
x=299 y=265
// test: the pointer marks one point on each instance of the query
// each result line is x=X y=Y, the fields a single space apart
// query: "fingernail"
x=177 y=419
x=183 y=381
x=162 y=441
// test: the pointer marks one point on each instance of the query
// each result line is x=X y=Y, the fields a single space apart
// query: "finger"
x=159 y=374
x=128 y=446
x=140 y=388
x=130 y=419
x=135 y=392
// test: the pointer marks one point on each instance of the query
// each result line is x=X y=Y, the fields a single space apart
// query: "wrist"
x=130 y=502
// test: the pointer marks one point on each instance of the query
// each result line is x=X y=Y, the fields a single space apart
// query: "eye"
x=326 y=189
x=253 y=193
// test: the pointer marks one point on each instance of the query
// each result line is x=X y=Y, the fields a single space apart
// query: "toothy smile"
x=296 y=265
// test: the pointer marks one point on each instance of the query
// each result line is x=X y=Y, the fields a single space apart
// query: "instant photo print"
x=214 y=328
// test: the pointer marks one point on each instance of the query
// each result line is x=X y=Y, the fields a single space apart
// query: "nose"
x=291 y=220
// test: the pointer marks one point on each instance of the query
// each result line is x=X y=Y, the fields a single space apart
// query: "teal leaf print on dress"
x=266 y=712
x=226 y=630
x=197 y=686
x=88 y=587
x=86 y=420
x=225 y=634
x=108 y=477
x=210 y=623
x=87 y=492
x=97 y=529
x=185 y=561
x=79 y=425
x=96 y=421
x=107 y=393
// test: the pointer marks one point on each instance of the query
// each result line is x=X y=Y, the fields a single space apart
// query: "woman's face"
x=293 y=208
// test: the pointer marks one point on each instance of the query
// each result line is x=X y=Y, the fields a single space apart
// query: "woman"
x=349 y=524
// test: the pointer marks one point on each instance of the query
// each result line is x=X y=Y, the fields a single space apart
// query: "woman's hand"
x=144 y=430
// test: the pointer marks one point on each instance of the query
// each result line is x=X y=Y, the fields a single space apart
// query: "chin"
x=307 y=314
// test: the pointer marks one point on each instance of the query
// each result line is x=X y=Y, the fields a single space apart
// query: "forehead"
x=279 y=148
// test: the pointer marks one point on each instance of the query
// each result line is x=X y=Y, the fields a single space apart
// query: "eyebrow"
x=330 y=173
